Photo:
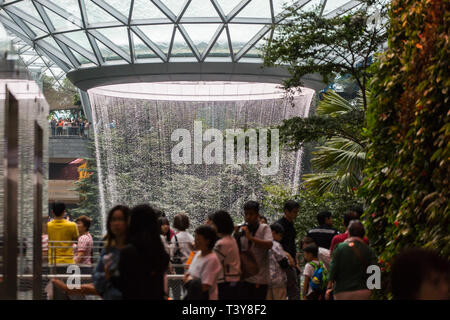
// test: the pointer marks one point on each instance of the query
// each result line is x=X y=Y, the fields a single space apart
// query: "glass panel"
x=242 y=33
x=255 y=51
x=119 y=36
x=160 y=34
x=80 y=38
x=180 y=47
x=27 y=7
x=37 y=31
x=96 y=14
x=71 y=7
x=27 y=58
x=256 y=9
x=52 y=42
x=220 y=48
x=201 y=34
x=107 y=53
x=144 y=9
x=123 y=6
x=80 y=58
x=60 y=23
x=332 y=5
x=175 y=5
x=228 y=5
x=200 y=8
x=141 y=51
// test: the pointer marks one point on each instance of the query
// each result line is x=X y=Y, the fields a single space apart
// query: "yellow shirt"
x=61 y=230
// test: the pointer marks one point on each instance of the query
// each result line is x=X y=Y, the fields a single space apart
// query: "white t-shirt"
x=325 y=257
x=261 y=255
x=227 y=251
x=185 y=242
x=309 y=271
x=207 y=269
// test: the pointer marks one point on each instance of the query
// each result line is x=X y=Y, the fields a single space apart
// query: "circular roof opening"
x=195 y=91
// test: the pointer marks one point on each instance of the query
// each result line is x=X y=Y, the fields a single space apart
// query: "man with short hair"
x=348 y=216
x=60 y=230
x=257 y=238
x=83 y=253
x=324 y=233
x=291 y=208
x=348 y=269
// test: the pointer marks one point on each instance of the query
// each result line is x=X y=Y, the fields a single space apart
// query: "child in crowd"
x=313 y=264
x=278 y=262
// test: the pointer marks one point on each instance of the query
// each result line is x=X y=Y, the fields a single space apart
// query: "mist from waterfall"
x=133 y=147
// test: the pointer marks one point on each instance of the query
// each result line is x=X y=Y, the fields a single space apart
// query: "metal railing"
x=70 y=131
x=174 y=285
x=51 y=268
x=57 y=252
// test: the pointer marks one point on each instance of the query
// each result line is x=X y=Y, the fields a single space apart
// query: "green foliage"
x=407 y=171
x=59 y=97
x=76 y=101
x=311 y=203
x=89 y=198
x=308 y=42
x=338 y=162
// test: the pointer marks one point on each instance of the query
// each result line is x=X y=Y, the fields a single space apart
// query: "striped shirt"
x=322 y=235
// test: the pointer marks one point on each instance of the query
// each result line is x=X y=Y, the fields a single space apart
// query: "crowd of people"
x=248 y=261
x=70 y=126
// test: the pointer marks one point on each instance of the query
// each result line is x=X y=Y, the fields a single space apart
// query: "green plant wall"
x=407 y=172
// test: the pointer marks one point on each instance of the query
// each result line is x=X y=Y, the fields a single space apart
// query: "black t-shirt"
x=139 y=279
x=289 y=236
x=322 y=235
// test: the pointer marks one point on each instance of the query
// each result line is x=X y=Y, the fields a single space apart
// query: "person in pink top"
x=83 y=253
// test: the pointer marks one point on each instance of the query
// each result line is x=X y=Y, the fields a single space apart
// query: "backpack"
x=249 y=265
x=319 y=279
x=176 y=259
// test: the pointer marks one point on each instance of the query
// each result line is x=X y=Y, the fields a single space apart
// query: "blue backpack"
x=319 y=279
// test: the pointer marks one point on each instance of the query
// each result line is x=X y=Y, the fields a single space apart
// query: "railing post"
x=37 y=232
x=10 y=210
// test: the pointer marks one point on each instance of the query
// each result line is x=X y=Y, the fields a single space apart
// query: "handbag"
x=176 y=259
x=194 y=290
x=249 y=265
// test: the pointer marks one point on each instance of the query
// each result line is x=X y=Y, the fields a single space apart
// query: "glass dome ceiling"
x=69 y=35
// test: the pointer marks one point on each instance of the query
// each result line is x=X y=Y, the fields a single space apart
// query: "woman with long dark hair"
x=144 y=261
x=107 y=271
x=105 y=274
x=166 y=233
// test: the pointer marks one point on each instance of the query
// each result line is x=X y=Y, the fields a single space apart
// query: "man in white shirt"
x=257 y=238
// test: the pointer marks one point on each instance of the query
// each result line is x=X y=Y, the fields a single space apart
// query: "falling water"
x=133 y=146
x=100 y=175
x=299 y=162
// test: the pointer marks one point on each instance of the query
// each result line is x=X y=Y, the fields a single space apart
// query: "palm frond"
x=339 y=153
x=333 y=104
x=331 y=181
